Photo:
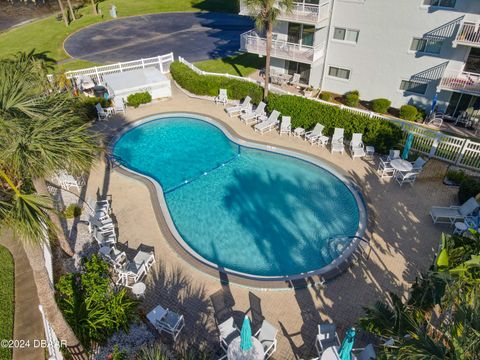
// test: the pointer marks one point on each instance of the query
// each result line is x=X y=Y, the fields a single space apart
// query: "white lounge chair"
x=222 y=97
x=451 y=214
x=104 y=238
x=228 y=332
x=269 y=124
x=244 y=106
x=118 y=104
x=327 y=336
x=251 y=117
x=114 y=257
x=103 y=114
x=101 y=222
x=167 y=321
x=337 y=141
x=316 y=136
x=67 y=181
x=99 y=206
x=267 y=335
x=357 y=148
x=286 y=125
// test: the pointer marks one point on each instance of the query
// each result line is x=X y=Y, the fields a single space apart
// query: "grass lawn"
x=6 y=300
x=49 y=34
x=240 y=65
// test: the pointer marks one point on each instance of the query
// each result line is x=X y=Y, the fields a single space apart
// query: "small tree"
x=265 y=14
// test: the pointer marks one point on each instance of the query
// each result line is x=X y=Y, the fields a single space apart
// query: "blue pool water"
x=244 y=209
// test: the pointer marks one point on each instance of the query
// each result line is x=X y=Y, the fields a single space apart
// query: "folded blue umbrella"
x=345 y=351
x=246 y=335
x=408 y=145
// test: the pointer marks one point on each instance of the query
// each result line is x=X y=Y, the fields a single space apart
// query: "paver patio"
x=402 y=237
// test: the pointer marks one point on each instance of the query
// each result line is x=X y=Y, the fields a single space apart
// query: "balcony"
x=252 y=42
x=302 y=12
x=307 y=13
x=468 y=34
x=461 y=81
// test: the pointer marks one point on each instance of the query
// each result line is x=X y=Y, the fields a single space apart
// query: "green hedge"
x=208 y=85
x=138 y=99
x=382 y=134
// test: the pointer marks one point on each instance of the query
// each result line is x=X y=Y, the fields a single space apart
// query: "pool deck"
x=402 y=236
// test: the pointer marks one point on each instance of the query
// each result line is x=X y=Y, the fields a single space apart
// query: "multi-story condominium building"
x=405 y=50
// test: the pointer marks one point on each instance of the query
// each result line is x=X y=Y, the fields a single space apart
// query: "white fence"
x=161 y=62
x=52 y=343
x=434 y=144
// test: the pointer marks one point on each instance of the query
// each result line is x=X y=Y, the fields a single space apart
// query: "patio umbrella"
x=345 y=351
x=434 y=103
x=408 y=145
x=246 y=335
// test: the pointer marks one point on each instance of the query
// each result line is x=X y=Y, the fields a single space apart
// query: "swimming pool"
x=243 y=207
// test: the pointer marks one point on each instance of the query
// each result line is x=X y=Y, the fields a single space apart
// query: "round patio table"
x=138 y=289
x=255 y=353
x=401 y=165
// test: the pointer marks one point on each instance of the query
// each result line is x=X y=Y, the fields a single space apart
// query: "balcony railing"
x=252 y=42
x=468 y=34
x=307 y=13
x=301 y=12
x=461 y=81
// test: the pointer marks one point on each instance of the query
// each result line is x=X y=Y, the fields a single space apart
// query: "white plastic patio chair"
x=316 y=136
x=67 y=181
x=144 y=258
x=103 y=114
x=418 y=164
x=405 y=177
x=167 y=321
x=222 y=97
x=451 y=214
x=357 y=148
x=385 y=168
x=252 y=116
x=337 y=141
x=130 y=274
x=228 y=332
x=267 y=335
x=242 y=107
x=295 y=80
x=267 y=125
x=393 y=154
x=327 y=336
x=286 y=126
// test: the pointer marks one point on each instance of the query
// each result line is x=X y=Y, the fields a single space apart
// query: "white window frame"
x=424 y=51
x=340 y=68
x=345 y=38
x=439 y=6
x=413 y=92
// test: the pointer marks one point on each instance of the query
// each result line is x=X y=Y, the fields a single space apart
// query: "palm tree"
x=265 y=14
x=62 y=10
x=72 y=14
x=40 y=136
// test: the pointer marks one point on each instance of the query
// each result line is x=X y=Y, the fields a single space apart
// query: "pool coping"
x=331 y=270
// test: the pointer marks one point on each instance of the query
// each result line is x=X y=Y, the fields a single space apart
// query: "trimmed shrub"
x=352 y=98
x=305 y=113
x=381 y=105
x=326 y=96
x=456 y=176
x=72 y=211
x=208 y=85
x=138 y=99
x=408 y=112
x=470 y=187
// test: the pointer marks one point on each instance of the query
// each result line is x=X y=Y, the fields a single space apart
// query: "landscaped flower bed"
x=6 y=300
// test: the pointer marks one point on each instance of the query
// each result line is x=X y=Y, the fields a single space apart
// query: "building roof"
x=134 y=78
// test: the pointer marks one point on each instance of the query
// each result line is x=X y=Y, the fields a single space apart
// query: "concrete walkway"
x=28 y=324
